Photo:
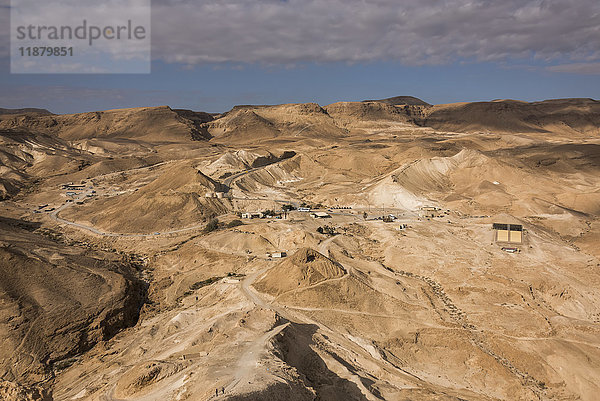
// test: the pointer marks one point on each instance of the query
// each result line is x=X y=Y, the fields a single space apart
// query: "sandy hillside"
x=397 y=289
x=175 y=198
x=402 y=100
x=574 y=117
x=57 y=302
x=25 y=156
x=256 y=123
x=160 y=124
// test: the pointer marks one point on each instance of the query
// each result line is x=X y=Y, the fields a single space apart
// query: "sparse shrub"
x=327 y=230
x=197 y=285
x=234 y=223
x=213 y=224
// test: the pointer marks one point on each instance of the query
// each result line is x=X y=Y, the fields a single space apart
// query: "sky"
x=212 y=55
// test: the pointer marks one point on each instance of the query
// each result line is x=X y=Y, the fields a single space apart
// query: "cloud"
x=4 y=28
x=577 y=68
x=110 y=36
x=427 y=32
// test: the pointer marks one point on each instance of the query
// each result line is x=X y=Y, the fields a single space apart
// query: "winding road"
x=228 y=181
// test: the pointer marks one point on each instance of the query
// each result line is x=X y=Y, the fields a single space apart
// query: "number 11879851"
x=46 y=51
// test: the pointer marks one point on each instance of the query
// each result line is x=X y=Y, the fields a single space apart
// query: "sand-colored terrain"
x=117 y=282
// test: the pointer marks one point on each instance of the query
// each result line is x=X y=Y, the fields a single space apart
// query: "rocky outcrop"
x=56 y=302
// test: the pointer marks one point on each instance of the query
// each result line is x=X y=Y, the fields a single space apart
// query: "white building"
x=256 y=215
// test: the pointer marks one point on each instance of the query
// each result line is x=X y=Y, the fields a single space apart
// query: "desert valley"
x=378 y=250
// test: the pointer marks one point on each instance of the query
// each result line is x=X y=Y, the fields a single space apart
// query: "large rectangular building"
x=512 y=233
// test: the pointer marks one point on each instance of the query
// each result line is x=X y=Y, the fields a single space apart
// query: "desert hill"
x=241 y=123
x=251 y=123
x=161 y=124
x=27 y=111
x=288 y=121
x=304 y=268
x=564 y=116
x=56 y=301
x=574 y=116
x=174 y=198
x=401 y=101
x=25 y=156
x=243 y=160
x=353 y=113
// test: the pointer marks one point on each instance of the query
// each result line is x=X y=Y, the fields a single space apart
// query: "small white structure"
x=304 y=209
x=511 y=250
x=256 y=215
x=319 y=215
x=279 y=255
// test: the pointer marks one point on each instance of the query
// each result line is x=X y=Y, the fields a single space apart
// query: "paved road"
x=229 y=180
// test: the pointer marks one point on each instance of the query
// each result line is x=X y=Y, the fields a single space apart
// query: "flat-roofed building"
x=255 y=215
x=73 y=186
x=512 y=233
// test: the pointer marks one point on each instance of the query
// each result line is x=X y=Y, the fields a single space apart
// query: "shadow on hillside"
x=294 y=345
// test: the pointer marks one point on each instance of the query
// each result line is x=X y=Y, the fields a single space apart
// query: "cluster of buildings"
x=431 y=212
x=252 y=215
x=260 y=215
x=73 y=187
